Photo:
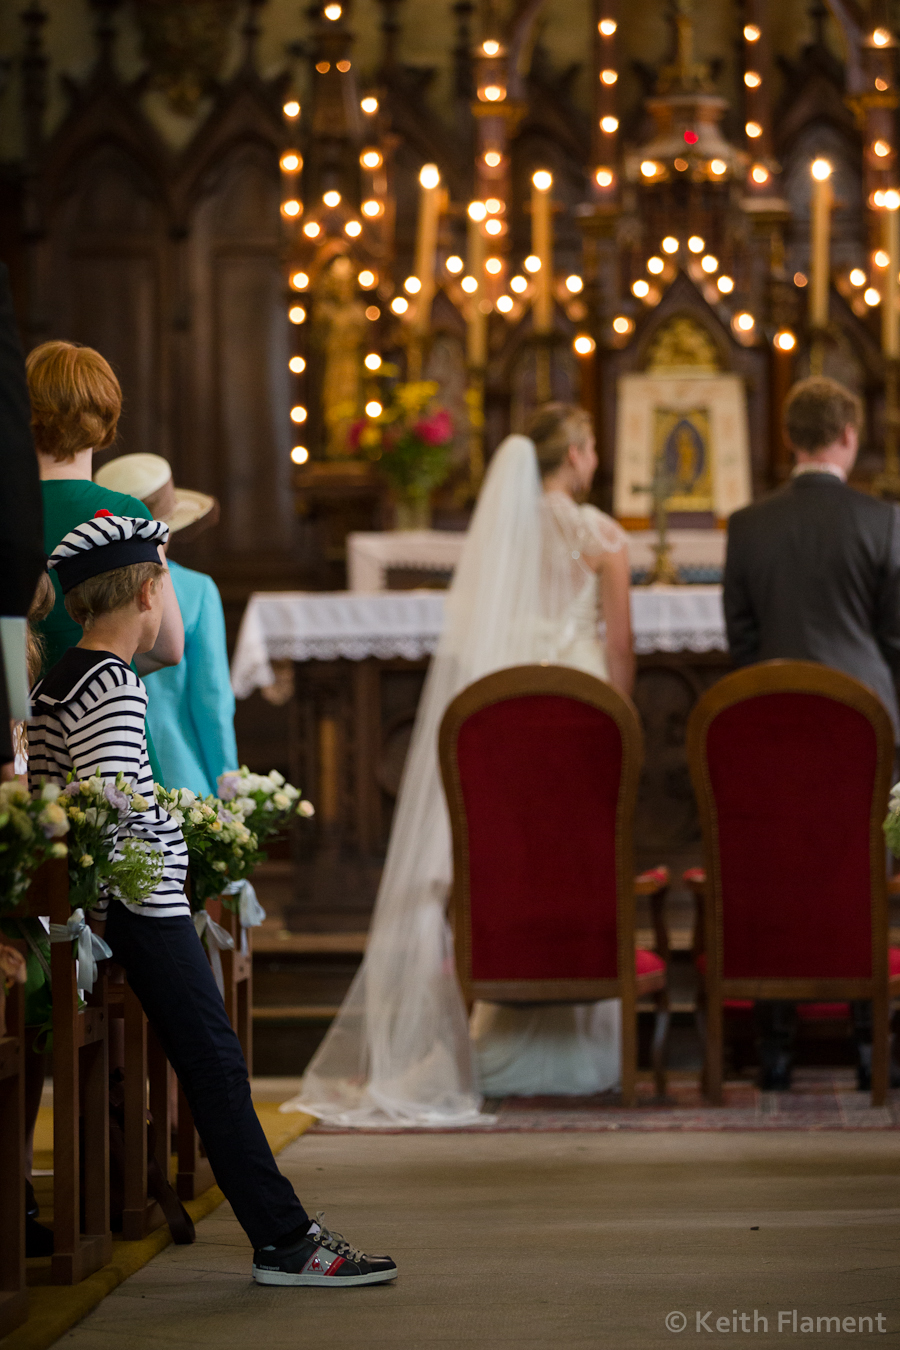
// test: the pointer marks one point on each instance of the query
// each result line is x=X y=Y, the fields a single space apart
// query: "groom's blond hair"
x=555 y=427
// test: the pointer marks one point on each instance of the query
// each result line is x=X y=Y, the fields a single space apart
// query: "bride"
x=540 y=579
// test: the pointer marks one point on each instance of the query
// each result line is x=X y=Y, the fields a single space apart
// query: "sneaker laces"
x=335 y=1242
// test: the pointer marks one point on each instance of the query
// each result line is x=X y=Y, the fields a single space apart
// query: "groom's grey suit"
x=813 y=573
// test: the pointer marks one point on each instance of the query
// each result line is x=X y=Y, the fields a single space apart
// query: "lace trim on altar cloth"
x=357 y=648
x=416 y=648
x=684 y=640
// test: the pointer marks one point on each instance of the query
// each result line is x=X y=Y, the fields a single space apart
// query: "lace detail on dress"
x=573 y=537
x=585 y=529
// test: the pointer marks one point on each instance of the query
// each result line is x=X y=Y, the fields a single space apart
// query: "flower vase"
x=413 y=513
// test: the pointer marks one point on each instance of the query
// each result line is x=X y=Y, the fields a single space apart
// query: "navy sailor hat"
x=105 y=543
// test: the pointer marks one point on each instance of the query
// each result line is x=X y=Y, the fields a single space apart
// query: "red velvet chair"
x=791 y=763
x=540 y=767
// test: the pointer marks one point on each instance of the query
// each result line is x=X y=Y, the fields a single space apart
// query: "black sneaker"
x=321 y=1258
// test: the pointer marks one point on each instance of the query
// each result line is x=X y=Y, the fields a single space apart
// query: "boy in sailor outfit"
x=89 y=714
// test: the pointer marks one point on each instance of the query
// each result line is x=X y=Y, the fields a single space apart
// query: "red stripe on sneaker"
x=335 y=1266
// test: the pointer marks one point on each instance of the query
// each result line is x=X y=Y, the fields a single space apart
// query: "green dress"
x=68 y=503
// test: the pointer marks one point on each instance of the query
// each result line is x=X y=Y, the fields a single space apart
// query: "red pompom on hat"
x=102 y=512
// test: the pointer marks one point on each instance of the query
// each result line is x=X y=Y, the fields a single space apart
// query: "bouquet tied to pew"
x=266 y=803
x=31 y=831
x=222 y=849
x=224 y=834
x=101 y=859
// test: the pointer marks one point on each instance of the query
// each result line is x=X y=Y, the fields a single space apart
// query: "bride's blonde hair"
x=555 y=427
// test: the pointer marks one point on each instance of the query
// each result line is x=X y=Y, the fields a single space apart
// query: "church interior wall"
x=153 y=232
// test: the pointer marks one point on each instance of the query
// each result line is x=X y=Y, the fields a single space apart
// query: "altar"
x=347 y=667
x=390 y=625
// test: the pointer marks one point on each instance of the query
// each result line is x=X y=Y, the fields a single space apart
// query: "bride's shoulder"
x=602 y=529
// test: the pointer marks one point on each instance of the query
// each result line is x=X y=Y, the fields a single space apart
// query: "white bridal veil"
x=399 y=1052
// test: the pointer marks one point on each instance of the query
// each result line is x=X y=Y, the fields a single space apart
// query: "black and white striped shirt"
x=89 y=713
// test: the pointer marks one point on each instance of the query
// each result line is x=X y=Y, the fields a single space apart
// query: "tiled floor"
x=566 y=1240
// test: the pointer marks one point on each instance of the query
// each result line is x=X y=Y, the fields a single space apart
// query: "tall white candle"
x=542 y=248
x=890 y=317
x=820 y=239
x=476 y=320
x=426 y=244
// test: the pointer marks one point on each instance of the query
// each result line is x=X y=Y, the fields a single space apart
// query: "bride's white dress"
x=400 y=1050
x=525 y=1050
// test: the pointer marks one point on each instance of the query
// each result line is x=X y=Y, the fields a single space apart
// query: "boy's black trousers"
x=169 y=971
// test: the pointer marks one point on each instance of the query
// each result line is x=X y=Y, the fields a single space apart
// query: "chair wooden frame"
x=563 y=681
x=793 y=677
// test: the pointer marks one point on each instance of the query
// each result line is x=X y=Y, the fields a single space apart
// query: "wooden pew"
x=144 y=1063
x=194 y=1173
x=237 y=968
x=13 y=1296
x=80 y=1097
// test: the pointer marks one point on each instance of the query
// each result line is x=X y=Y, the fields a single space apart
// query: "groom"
x=812 y=573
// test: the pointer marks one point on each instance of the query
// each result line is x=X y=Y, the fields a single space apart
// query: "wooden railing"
x=81 y=1085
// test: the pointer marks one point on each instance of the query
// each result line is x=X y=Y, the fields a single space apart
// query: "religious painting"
x=681 y=456
x=692 y=431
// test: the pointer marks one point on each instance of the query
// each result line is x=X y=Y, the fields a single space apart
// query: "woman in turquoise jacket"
x=191 y=709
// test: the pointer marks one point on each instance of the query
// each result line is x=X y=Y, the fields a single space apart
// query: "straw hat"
x=149 y=477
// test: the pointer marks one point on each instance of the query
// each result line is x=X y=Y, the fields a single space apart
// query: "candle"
x=426 y=244
x=542 y=248
x=820 y=229
x=890 y=316
x=476 y=321
x=606 y=83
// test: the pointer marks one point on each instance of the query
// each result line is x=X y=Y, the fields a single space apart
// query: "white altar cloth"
x=326 y=626
x=371 y=553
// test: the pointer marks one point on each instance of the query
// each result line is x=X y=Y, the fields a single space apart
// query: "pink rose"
x=434 y=430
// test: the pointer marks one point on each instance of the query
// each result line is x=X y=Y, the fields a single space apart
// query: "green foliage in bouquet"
x=31 y=829
x=98 y=810
x=220 y=846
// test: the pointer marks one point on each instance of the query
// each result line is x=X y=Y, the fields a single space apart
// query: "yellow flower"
x=85 y=860
x=216 y=826
x=415 y=394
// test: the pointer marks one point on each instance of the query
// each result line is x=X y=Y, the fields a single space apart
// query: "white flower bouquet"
x=97 y=810
x=221 y=847
x=224 y=834
x=31 y=831
x=265 y=802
